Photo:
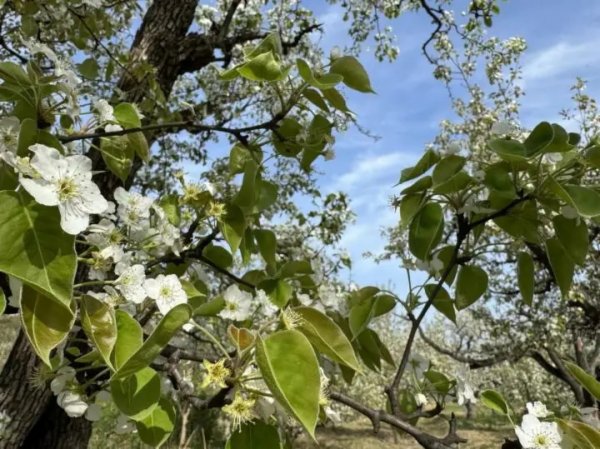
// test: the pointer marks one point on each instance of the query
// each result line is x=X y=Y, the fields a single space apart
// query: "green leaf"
x=525 y=275
x=409 y=206
x=562 y=140
x=335 y=99
x=521 y=222
x=439 y=381
x=137 y=395
x=46 y=322
x=498 y=178
x=267 y=245
x=471 y=284
x=456 y=183
x=563 y=267
x=573 y=235
x=327 y=337
x=418 y=186
x=315 y=98
x=28 y=133
x=588 y=381
x=100 y=325
x=291 y=371
x=160 y=337
x=218 y=255
x=324 y=82
x=2 y=301
x=233 y=225
x=127 y=115
x=494 y=401
x=156 y=428
x=585 y=200
x=210 y=308
x=447 y=168
x=254 y=435
x=130 y=337
x=89 y=68
x=170 y=205
x=263 y=67
x=14 y=74
x=355 y=76
x=428 y=160
x=425 y=230
x=579 y=434
x=139 y=145
x=246 y=196
x=34 y=248
x=278 y=290
x=442 y=301
x=118 y=155
x=509 y=150
x=363 y=311
x=541 y=136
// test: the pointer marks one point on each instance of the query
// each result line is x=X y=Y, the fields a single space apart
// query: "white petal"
x=46 y=160
x=72 y=219
x=42 y=191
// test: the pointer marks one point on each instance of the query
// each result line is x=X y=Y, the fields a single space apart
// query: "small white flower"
x=9 y=135
x=105 y=111
x=304 y=299
x=535 y=434
x=329 y=297
x=72 y=403
x=452 y=148
x=133 y=208
x=537 y=409
x=65 y=182
x=65 y=376
x=112 y=128
x=237 y=304
x=166 y=291
x=420 y=399
x=264 y=303
x=131 y=284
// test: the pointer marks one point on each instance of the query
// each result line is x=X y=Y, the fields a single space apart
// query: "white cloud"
x=561 y=58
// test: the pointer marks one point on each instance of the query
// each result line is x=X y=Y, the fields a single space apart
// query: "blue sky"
x=563 y=39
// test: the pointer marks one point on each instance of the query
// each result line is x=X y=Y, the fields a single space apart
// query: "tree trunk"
x=163 y=42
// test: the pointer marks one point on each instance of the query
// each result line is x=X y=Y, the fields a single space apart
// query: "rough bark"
x=37 y=422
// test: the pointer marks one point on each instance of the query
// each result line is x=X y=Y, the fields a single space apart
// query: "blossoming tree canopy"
x=118 y=284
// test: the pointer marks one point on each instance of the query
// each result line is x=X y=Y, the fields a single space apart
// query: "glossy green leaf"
x=366 y=308
x=233 y=225
x=573 y=235
x=210 y=308
x=156 y=428
x=563 y=267
x=447 y=168
x=336 y=100
x=521 y=222
x=324 y=82
x=218 y=255
x=118 y=155
x=14 y=74
x=471 y=284
x=455 y=184
x=562 y=140
x=355 y=76
x=2 y=301
x=420 y=185
x=267 y=245
x=442 y=301
x=291 y=371
x=498 y=178
x=428 y=160
x=130 y=337
x=494 y=401
x=409 y=206
x=278 y=290
x=263 y=67
x=588 y=381
x=585 y=200
x=160 y=337
x=254 y=435
x=28 y=133
x=525 y=277
x=425 y=230
x=89 y=68
x=315 y=98
x=34 y=248
x=127 y=115
x=100 y=325
x=579 y=434
x=327 y=337
x=137 y=395
x=540 y=137
x=439 y=381
x=170 y=205
x=46 y=322
x=509 y=150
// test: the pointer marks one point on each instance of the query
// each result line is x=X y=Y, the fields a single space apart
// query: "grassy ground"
x=359 y=435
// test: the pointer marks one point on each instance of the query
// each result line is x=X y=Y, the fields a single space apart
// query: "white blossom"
x=131 y=284
x=304 y=299
x=65 y=182
x=72 y=403
x=65 y=376
x=537 y=409
x=9 y=135
x=502 y=128
x=237 y=304
x=133 y=208
x=105 y=111
x=420 y=399
x=265 y=305
x=93 y=413
x=536 y=434
x=166 y=291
